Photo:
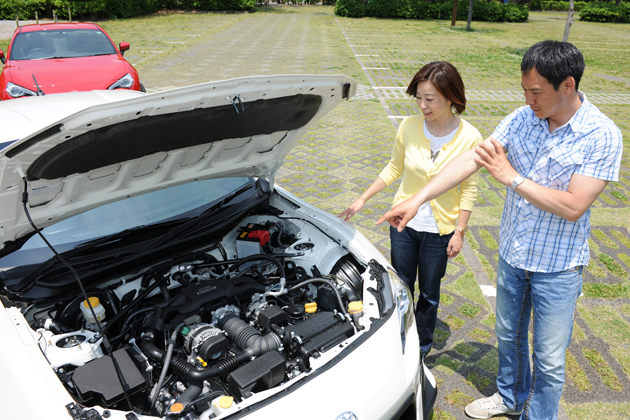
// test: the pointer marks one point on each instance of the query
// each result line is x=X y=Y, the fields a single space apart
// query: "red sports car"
x=64 y=57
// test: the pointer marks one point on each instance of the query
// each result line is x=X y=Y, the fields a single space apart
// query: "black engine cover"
x=317 y=334
x=261 y=374
x=98 y=380
x=192 y=298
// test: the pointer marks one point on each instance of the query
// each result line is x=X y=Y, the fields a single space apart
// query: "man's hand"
x=401 y=213
x=491 y=155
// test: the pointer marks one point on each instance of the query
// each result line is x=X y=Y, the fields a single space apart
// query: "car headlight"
x=124 y=82
x=16 y=91
x=404 y=305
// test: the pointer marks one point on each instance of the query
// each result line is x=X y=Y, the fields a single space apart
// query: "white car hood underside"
x=115 y=150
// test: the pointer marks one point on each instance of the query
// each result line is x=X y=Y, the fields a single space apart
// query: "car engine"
x=195 y=335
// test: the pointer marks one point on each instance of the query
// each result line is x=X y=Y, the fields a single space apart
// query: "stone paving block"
x=342 y=155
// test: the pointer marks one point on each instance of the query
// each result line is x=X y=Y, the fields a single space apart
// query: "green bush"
x=606 y=12
x=495 y=12
x=350 y=8
x=560 y=6
x=26 y=9
x=420 y=9
x=386 y=8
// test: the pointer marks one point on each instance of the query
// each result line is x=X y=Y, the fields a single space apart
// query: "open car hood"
x=121 y=148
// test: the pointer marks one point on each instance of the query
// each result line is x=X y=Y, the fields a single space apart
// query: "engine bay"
x=200 y=335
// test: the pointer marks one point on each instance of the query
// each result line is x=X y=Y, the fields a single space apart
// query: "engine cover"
x=194 y=297
x=98 y=380
x=317 y=334
x=261 y=374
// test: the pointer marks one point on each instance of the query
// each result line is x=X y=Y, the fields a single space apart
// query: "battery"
x=251 y=239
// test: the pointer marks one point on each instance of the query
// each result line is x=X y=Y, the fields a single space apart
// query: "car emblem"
x=347 y=415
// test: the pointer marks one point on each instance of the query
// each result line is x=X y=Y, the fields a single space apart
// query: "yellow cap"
x=177 y=407
x=355 y=307
x=226 y=402
x=93 y=300
x=310 y=308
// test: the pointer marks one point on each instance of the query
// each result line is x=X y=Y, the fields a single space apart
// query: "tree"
x=470 y=8
x=570 y=21
x=454 y=13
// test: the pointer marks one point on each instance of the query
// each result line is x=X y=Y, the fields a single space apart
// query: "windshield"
x=60 y=43
x=182 y=201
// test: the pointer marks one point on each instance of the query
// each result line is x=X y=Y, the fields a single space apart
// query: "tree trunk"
x=618 y=3
x=454 y=13
x=567 y=27
x=470 y=8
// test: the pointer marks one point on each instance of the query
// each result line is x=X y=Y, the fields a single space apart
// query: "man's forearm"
x=453 y=174
x=449 y=177
x=570 y=204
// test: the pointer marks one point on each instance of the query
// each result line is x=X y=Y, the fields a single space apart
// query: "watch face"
x=518 y=180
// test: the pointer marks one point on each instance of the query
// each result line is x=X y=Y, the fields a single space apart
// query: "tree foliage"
x=25 y=9
x=350 y=8
x=606 y=12
x=420 y=9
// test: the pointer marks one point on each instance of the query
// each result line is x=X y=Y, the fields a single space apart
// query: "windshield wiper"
x=210 y=211
x=95 y=55
x=86 y=246
x=184 y=224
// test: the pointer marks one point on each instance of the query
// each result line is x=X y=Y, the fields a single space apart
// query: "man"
x=562 y=152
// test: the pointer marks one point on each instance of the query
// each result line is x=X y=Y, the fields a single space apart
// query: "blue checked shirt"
x=589 y=144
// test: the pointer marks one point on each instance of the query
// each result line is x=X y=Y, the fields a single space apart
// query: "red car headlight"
x=16 y=91
x=124 y=82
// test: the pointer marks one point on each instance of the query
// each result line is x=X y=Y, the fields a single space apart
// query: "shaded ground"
x=339 y=157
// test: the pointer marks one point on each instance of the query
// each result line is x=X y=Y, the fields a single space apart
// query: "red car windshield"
x=60 y=43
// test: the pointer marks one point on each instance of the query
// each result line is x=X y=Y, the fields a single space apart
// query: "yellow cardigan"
x=412 y=155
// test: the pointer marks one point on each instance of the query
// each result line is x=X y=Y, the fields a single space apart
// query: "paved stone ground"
x=343 y=154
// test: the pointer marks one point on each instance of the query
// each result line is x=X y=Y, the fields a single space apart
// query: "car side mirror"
x=123 y=46
x=2 y=57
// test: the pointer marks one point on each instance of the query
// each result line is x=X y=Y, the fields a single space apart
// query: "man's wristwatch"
x=462 y=230
x=518 y=180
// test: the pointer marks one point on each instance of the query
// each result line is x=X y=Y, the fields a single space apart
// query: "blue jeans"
x=552 y=297
x=421 y=255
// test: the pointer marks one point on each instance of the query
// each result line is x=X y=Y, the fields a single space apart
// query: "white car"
x=164 y=243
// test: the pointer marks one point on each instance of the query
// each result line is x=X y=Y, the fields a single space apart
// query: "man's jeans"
x=552 y=297
x=421 y=254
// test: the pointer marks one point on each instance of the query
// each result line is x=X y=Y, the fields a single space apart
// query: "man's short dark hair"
x=555 y=61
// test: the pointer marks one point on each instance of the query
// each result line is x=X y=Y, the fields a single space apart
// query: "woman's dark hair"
x=446 y=80
x=555 y=61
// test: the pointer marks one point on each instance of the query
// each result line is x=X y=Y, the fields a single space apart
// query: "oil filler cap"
x=310 y=308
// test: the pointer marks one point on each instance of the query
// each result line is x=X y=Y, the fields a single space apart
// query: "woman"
x=425 y=144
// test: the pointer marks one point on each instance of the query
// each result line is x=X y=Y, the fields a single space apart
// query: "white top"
x=424 y=221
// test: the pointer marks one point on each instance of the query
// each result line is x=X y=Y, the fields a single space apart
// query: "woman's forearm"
x=377 y=186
